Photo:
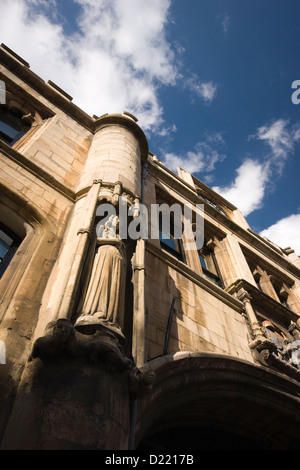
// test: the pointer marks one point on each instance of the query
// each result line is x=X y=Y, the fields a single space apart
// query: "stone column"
x=260 y=346
x=236 y=262
x=138 y=334
x=245 y=297
x=69 y=404
x=267 y=286
x=76 y=389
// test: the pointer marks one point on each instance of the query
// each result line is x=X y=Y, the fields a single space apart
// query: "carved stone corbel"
x=107 y=346
x=212 y=243
x=262 y=350
x=140 y=381
x=63 y=340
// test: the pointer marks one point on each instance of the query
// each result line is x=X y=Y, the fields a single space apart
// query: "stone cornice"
x=21 y=69
x=278 y=310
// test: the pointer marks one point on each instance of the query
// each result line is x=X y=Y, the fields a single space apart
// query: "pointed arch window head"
x=9 y=243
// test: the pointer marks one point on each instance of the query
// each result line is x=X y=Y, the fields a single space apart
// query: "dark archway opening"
x=197 y=438
x=209 y=402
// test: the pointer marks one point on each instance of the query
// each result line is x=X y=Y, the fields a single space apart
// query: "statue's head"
x=62 y=329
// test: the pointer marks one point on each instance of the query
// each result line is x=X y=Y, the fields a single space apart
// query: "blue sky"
x=209 y=80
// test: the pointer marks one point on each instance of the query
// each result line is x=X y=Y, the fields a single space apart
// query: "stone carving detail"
x=63 y=340
x=104 y=298
x=106 y=345
x=276 y=351
x=277 y=340
x=140 y=381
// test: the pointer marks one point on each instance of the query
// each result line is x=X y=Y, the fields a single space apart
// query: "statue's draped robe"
x=104 y=298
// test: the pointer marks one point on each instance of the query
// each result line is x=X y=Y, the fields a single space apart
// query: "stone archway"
x=205 y=401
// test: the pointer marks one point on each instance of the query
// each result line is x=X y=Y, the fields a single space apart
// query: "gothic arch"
x=223 y=396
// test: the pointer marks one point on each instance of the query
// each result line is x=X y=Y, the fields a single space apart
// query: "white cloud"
x=115 y=61
x=204 y=90
x=285 y=232
x=280 y=139
x=248 y=189
x=203 y=158
x=225 y=23
x=253 y=178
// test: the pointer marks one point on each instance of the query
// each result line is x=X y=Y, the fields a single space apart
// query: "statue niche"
x=103 y=300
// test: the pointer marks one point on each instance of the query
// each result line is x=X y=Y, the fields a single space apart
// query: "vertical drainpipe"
x=169 y=326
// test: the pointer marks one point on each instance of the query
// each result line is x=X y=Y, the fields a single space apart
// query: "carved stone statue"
x=104 y=298
x=276 y=339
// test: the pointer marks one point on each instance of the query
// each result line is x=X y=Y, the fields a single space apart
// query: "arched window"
x=12 y=125
x=9 y=243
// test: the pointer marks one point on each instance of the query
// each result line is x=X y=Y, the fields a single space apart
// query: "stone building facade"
x=131 y=342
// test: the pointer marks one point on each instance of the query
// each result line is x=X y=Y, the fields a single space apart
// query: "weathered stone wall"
x=69 y=405
x=202 y=321
x=60 y=147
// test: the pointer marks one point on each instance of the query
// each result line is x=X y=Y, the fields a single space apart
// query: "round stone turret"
x=118 y=148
